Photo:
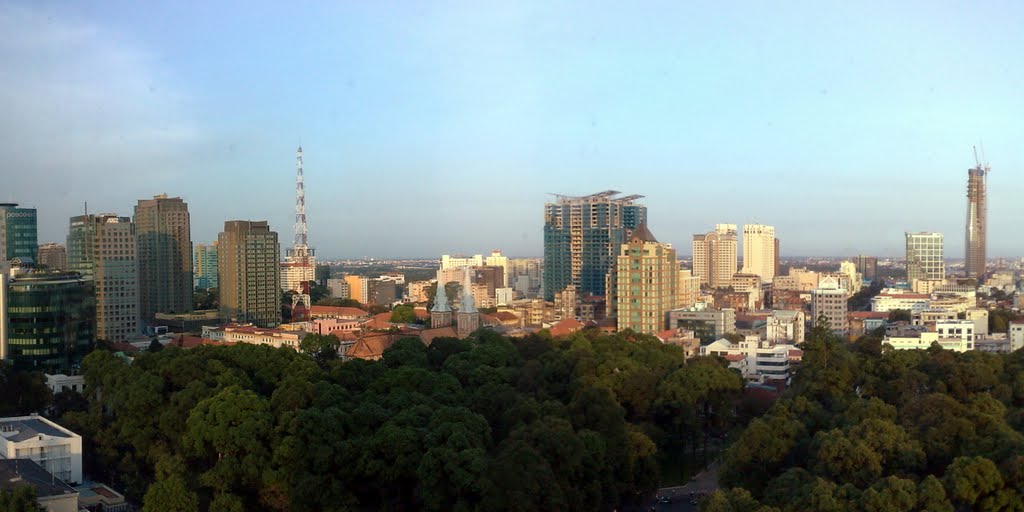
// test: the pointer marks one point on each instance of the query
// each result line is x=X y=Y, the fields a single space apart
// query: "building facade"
x=759 y=256
x=925 y=256
x=204 y=265
x=867 y=266
x=55 y=448
x=581 y=239
x=707 y=323
x=163 y=230
x=52 y=256
x=786 y=325
x=828 y=301
x=47 y=319
x=714 y=256
x=248 y=273
x=104 y=249
x=977 y=221
x=646 y=283
x=18 y=233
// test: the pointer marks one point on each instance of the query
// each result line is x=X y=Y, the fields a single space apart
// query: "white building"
x=784 y=325
x=854 y=279
x=497 y=260
x=891 y=299
x=759 y=251
x=294 y=272
x=925 y=256
x=59 y=382
x=504 y=296
x=757 y=360
x=957 y=336
x=459 y=262
x=248 y=333
x=1016 y=335
x=55 y=448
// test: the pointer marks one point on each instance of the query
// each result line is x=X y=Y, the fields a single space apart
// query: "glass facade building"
x=48 y=320
x=18 y=233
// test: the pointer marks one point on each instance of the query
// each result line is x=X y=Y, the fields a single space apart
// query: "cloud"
x=85 y=114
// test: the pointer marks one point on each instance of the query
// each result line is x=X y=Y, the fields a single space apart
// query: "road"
x=704 y=482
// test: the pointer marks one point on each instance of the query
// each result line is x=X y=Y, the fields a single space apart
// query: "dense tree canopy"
x=484 y=423
x=868 y=428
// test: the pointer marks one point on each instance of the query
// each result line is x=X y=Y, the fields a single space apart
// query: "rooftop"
x=22 y=428
x=15 y=473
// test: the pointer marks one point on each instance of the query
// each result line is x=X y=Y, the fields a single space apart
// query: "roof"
x=380 y=321
x=124 y=347
x=567 y=326
x=491 y=320
x=337 y=311
x=905 y=295
x=185 y=341
x=22 y=428
x=371 y=346
x=506 y=316
x=795 y=353
x=869 y=314
x=421 y=313
x=665 y=335
x=735 y=357
x=345 y=335
x=427 y=336
x=15 y=473
x=643 y=234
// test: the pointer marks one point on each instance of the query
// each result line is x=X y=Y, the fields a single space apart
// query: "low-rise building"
x=52 y=495
x=251 y=334
x=891 y=299
x=55 y=448
x=863 y=322
x=1016 y=335
x=758 y=360
x=784 y=325
x=59 y=382
x=707 y=323
x=957 y=336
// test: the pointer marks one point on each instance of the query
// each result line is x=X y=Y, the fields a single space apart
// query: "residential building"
x=47 y=319
x=1016 y=335
x=759 y=251
x=890 y=299
x=163 y=231
x=864 y=322
x=689 y=289
x=417 y=291
x=647 y=283
x=707 y=323
x=52 y=256
x=980 y=318
x=566 y=302
x=714 y=256
x=52 y=494
x=786 y=326
x=582 y=236
x=504 y=296
x=458 y=262
x=18 y=233
x=758 y=360
x=55 y=448
x=955 y=335
x=496 y=259
x=358 y=288
x=104 y=250
x=977 y=221
x=338 y=287
x=527 y=277
x=205 y=266
x=828 y=301
x=925 y=256
x=248 y=273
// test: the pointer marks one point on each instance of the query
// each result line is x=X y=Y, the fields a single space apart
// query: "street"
x=704 y=482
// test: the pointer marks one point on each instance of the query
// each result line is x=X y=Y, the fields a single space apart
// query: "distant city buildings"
x=52 y=256
x=925 y=256
x=646 y=283
x=18 y=233
x=163 y=230
x=759 y=256
x=714 y=256
x=248 y=275
x=104 y=250
x=581 y=239
x=204 y=264
x=977 y=220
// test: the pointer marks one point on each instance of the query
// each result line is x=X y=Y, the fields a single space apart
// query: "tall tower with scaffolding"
x=299 y=267
x=977 y=212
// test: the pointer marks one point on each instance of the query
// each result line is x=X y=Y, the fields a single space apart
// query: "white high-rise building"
x=759 y=251
x=496 y=259
x=448 y=262
x=925 y=257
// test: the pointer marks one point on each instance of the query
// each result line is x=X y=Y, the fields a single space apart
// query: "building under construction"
x=977 y=206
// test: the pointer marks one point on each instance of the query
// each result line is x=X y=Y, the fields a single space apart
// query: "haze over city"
x=438 y=128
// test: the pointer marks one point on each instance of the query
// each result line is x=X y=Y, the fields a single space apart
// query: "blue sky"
x=440 y=127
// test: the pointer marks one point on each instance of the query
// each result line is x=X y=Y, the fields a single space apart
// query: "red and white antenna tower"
x=300 y=247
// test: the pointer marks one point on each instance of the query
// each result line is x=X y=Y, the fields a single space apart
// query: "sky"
x=442 y=127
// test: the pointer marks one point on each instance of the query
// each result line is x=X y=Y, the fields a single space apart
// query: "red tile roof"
x=735 y=357
x=506 y=316
x=427 y=336
x=124 y=347
x=337 y=312
x=869 y=314
x=567 y=326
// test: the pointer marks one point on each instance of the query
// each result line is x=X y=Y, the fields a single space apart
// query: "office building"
x=581 y=239
x=925 y=256
x=646 y=283
x=55 y=448
x=104 y=250
x=867 y=266
x=52 y=256
x=496 y=259
x=714 y=256
x=977 y=220
x=828 y=303
x=459 y=262
x=18 y=233
x=759 y=256
x=163 y=231
x=47 y=319
x=248 y=273
x=707 y=323
x=527 y=277
x=853 y=280
x=358 y=288
x=204 y=265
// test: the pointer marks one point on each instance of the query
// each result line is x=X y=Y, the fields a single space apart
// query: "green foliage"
x=403 y=314
x=21 y=499
x=206 y=299
x=484 y=423
x=899 y=315
x=24 y=391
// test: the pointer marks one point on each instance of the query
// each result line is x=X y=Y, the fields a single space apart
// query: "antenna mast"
x=300 y=208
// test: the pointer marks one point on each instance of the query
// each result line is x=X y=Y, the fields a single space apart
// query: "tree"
x=323 y=347
x=170 y=495
x=155 y=345
x=899 y=315
x=21 y=499
x=404 y=314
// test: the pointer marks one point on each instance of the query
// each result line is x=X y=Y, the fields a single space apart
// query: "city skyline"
x=866 y=140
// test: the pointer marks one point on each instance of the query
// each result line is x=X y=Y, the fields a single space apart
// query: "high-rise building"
x=248 y=274
x=977 y=212
x=689 y=289
x=582 y=236
x=104 y=251
x=867 y=266
x=714 y=256
x=163 y=230
x=47 y=319
x=828 y=302
x=18 y=233
x=204 y=265
x=53 y=256
x=925 y=257
x=496 y=259
x=646 y=283
x=759 y=251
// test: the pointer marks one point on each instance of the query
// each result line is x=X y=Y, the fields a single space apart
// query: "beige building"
x=104 y=249
x=163 y=231
x=294 y=272
x=496 y=259
x=54 y=256
x=248 y=273
x=714 y=255
x=646 y=283
x=853 y=277
x=759 y=256
x=829 y=301
x=689 y=289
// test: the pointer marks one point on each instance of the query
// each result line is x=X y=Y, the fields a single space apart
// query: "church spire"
x=468 y=305
x=440 y=298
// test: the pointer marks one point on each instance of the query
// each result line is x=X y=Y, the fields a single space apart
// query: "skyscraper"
x=46 y=320
x=204 y=265
x=977 y=211
x=165 y=256
x=714 y=256
x=53 y=256
x=18 y=234
x=582 y=236
x=647 y=282
x=104 y=250
x=248 y=273
x=925 y=257
x=759 y=251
